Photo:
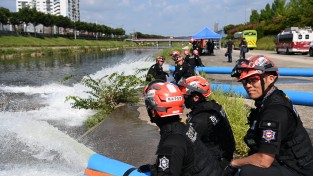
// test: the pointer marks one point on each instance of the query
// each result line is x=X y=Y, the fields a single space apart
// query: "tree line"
x=276 y=17
x=28 y=15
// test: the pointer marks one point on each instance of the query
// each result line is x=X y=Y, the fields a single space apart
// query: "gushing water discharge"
x=36 y=122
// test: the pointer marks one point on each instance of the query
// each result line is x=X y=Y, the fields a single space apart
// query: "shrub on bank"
x=106 y=93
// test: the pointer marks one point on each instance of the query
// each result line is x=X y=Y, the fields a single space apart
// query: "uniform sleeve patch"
x=164 y=163
x=269 y=135
x=164 y=156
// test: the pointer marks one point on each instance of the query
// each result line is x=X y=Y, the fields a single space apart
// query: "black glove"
x=144 y=168
x=167 y=74
x=224 y=162
x=230 y=170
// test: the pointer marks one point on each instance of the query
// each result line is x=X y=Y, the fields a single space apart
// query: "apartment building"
x=68 y=8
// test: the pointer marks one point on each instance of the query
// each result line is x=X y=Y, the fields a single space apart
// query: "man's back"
x=180 y=152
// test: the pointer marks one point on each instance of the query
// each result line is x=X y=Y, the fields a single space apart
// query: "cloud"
x=163 y=17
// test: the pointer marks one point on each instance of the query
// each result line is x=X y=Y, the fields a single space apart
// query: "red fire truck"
x=294 y=40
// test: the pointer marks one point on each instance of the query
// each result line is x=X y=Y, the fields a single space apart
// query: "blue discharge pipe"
x=101 y=165
x=298 y=98
x=305 y=72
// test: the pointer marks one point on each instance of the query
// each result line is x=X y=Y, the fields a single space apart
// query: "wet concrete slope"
x=123 y=136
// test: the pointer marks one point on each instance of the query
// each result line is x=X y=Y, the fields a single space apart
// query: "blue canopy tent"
x=206 y=33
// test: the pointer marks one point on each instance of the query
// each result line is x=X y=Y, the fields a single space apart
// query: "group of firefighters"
x=204 y=47
x=204 y=144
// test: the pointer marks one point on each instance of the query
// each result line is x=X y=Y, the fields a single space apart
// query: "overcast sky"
x=164 y=17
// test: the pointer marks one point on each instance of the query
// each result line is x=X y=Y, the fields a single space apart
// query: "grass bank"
x=21 y=46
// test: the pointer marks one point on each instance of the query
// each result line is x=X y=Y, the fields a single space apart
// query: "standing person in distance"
x=156 y=70
x=230 y=47
x=279 y=144
x=209 y=119
x=180 y=151
x=195 y=45
x=243 y=48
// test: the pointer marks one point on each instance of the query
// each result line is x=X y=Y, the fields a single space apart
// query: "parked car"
x=311 y=49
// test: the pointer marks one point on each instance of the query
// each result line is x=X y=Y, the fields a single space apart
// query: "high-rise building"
x=67 y=8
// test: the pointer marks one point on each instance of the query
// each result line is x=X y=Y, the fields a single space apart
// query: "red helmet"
x=186 y=52
x=177 y=58
x=195 y=84
x=195 y=52
x=164 y=97
x=174 y=53
x=256 y=64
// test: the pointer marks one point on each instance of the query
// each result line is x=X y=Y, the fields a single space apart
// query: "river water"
x=39 y=131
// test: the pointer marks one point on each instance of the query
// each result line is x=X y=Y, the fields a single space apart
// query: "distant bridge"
x=157 y=40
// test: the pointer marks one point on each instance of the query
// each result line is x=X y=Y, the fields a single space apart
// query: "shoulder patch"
x=214 y=120
x=191 y=134
x=164 y=163
x=269 y=135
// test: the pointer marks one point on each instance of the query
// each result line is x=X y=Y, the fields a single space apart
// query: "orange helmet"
x=256 y=64
x=164 y=97
x=195 y=84
x=186 y=52
x=195 y=52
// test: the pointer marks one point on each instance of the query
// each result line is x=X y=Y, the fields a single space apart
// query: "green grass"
x=20 y=46
x=21 y=41
x=237 y=111
x=266 y=43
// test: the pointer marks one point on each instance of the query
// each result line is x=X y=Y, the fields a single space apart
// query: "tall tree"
x=267 y=13
x=15 y=20
x=4 y=16
x=255 y=16
x=24 y=15
x=279 y=8
x=293 y=13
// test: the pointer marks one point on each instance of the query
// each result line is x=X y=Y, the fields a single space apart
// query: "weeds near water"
x=108 y=92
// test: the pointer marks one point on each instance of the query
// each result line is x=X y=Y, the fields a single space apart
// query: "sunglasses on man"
x=250 y=80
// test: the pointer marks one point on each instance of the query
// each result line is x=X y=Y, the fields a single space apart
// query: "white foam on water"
x=51 y=151
x=45 y=143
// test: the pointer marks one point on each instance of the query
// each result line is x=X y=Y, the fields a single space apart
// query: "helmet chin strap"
x=265 y=91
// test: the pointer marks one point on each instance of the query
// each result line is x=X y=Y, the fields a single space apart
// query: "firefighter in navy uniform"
x=156 y=70
x=208 y=118
x=179 y=152
x=190 y=59
x=182 y=69
x=279 y=144
x=197 y=58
